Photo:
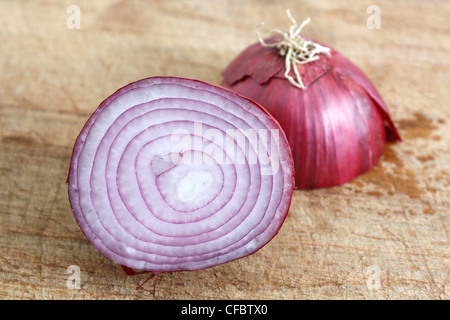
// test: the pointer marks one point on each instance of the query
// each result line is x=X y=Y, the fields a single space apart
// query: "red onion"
x=334 y=118
x=173 y=174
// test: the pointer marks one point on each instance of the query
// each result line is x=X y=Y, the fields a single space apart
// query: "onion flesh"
x=173 y=174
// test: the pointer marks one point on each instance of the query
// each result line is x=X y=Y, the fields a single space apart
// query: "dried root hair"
x=294 y=48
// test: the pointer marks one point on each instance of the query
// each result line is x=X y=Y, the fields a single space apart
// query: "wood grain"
x=393 y=220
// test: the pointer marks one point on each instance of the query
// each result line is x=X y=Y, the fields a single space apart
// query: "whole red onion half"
x=336 y=125
x=173 y=174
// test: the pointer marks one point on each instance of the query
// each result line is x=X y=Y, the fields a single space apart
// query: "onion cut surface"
x=173 y=174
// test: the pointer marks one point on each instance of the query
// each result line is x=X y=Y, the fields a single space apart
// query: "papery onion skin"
x=134 y=226
x=337 y=126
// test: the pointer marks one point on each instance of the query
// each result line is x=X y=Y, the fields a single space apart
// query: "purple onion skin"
x=337 y=126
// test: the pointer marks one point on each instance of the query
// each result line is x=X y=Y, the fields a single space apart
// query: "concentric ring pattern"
x=173 y=174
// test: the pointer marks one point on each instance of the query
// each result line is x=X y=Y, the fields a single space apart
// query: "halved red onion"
x=173 y=174
x=335 y=125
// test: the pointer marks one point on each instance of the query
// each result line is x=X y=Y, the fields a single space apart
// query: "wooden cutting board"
x=384 y=235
